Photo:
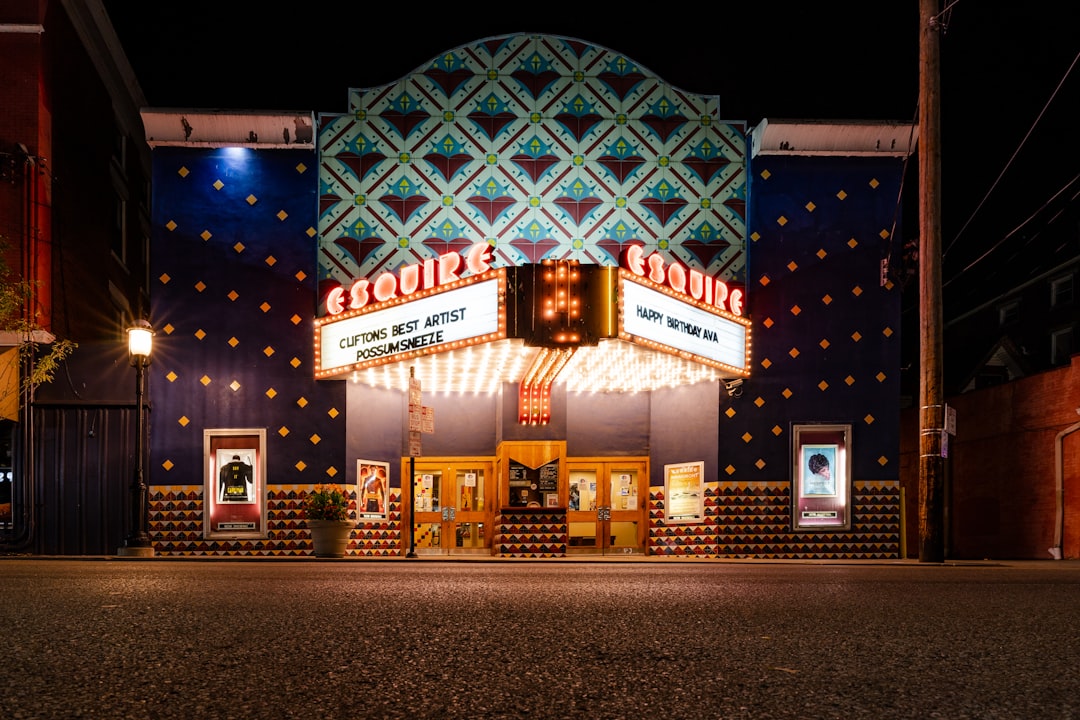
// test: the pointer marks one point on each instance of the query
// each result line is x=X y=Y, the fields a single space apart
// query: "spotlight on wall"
x=734 y=387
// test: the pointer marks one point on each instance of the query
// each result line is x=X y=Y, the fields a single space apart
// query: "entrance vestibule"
x=458 y=502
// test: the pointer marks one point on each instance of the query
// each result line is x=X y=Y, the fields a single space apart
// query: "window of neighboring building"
x=1062 y=345
x=122 y=314
x=119 y=235
x=146 y=262
x=1061 y=291
x=118 y=243
x=1009 y=313
x=120 y=151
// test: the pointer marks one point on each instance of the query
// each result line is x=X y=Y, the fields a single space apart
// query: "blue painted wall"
x=233 y=297
x=826 y=332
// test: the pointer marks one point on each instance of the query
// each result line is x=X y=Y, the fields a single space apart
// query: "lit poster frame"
x=821 y=477
x=372 y=486
x=234 y=483
x=684 y=493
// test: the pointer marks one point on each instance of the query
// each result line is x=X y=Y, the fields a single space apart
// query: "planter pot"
x=330 y=537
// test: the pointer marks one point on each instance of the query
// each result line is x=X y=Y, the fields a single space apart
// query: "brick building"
x=74 y=212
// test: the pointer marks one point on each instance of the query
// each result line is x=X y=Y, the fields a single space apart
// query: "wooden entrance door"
x=452 y=511
x=607 y=510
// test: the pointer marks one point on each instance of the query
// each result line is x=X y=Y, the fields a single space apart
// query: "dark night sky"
x=1002 y=63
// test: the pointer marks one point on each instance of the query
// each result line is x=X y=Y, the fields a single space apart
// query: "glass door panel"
x=428 y=530
x=470 y=536
x=624 y=490
x=624 y=529
x=623 y=537
x=581 y=510
x=470 y=517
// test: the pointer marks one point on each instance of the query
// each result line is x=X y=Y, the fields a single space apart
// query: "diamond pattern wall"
x=176 y=526
x=542 y=146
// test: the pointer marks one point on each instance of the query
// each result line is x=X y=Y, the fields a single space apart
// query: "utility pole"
x=931 y=400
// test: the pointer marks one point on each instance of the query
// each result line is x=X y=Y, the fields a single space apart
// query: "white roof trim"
x=861 y=138
x=203 y=128
x=22 y=28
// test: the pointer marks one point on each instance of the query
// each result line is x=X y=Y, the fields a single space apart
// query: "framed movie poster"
x=372 y=484
x=234 y=488
x=684 y=493
x=821 y=477
x=236 y=475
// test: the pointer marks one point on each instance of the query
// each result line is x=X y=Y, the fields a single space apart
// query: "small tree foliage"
x=16 y=300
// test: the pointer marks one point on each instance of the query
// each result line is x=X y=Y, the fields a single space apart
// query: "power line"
x=1017 y=229
x=1011 y=159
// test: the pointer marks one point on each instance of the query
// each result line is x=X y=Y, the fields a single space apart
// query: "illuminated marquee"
x=431 y=273
x=692 y=283
x=659 y=318
x=466 y=311
x=429 y=308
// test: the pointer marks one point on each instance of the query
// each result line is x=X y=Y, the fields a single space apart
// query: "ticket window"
x=606 y=510
x=451 y=510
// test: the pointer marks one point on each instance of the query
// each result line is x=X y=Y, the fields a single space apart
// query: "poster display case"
x=684 y=493
x=821 y=477
x=372 y=484
x=234 y=489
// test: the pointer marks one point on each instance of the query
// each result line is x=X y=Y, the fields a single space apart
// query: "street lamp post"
x=140 y=343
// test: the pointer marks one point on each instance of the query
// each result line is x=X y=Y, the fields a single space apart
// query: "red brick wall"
x=21 y=60
x=1001 y=497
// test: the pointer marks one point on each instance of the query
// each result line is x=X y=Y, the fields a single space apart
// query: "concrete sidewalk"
x=1048 y=564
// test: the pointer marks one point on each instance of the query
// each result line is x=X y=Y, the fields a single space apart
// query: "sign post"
x=415 y=413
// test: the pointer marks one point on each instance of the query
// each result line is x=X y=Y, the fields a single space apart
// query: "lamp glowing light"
x=140 y=345
x=140 y=342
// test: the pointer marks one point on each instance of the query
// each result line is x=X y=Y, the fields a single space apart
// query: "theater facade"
x=529 y=300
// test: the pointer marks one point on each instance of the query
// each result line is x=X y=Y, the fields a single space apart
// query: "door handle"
x=603 y=513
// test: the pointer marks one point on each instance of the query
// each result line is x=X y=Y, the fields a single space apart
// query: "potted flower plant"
x=326 y=509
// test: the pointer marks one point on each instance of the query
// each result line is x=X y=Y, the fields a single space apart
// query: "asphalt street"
x=156 y=638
